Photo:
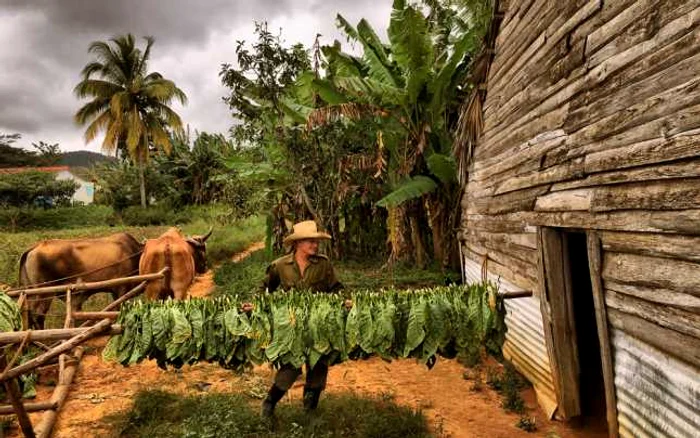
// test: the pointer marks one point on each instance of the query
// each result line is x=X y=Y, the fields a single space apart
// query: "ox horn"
x=206 y=236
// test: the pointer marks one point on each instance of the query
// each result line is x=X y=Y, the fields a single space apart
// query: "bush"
x=156 y=215
x=26 y=188
x=16 y=219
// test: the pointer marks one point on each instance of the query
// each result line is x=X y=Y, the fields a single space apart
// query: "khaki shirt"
x=319 y=275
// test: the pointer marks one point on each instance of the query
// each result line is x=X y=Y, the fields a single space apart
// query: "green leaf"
x=408 y=32
x=343 y=24
x=410 y=189
x=327 y=91
x=443 y=167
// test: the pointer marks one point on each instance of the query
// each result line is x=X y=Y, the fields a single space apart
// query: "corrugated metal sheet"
x=525 y=346
x=657 y=395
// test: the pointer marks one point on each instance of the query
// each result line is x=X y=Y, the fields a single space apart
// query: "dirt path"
x=204 y=284
x=442 y=393
x=448 y=400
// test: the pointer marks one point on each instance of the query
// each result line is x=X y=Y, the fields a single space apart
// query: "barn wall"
x=592 y=121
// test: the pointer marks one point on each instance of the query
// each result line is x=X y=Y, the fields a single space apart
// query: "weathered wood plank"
x=512 y=275
x=679 y=320
x=546 y=100
x=656 y=245
x=609 y=11
x=516 y=258
x=657 y=296
x=683 y=169
x=657 y=195
x=684 y=122
x=649 y=152
x=686 y=348
x=626 y=91
x=563 y=172
x=608 y=30
x=655 y=272
x=674 y=222
x=643 y=26
x=568 y=200
x=527 y=240
x=595 y=264
x=522 y=200
x=532 y=148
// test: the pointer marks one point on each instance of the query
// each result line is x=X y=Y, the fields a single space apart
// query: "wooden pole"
x=64 y=347
x=69 y=309
x=516 y=294
x=29 y=407
x=88 y=286
x=15 y=396
x=127 y=296
x=51 y=335
x=595 y=264
x=24 y=309
x=18 y=352
x=82 y=316
x=48 y=419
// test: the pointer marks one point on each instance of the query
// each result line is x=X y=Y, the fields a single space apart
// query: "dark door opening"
x=592 y=390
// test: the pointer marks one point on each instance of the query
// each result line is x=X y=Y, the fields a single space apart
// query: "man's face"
x=307 y=247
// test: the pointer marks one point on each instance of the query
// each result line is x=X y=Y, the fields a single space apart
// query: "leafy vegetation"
x=128 y=103
x=157 y=414
x=302 y=327
x=24 y=189
x=16 y=219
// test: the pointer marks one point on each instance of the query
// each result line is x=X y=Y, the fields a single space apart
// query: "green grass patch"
x=157 y=414
x=13 y=219
x=226 y=240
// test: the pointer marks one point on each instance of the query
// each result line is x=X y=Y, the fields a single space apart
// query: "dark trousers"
x=315 y=378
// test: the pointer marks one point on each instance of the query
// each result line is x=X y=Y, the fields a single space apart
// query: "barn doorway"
x=591 y=387
x=575 y=348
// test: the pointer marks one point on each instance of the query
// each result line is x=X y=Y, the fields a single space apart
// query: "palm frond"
x=343 y=24
x=327 y=91
x=91 y=110
x=408 y=32
x=410 y=189
x=469 y=128
x=332 y=113
x=99 y=124
x=341 y=64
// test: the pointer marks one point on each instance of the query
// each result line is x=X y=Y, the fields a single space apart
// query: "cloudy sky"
x=45 y=47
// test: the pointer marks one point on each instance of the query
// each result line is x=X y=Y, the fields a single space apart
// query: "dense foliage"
x=299 y=327
x=30 y=188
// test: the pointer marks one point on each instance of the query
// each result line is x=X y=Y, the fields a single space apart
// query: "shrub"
x=16 y=219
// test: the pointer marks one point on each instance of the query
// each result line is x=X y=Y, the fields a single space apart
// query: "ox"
x=184 y=256
x=57 y=262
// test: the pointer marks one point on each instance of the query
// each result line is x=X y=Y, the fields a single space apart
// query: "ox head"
x=199 y=247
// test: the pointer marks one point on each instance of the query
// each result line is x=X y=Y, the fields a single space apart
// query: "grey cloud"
x=48 y=43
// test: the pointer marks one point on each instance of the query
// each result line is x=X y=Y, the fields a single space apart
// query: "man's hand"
x=247 y=307
x=348 y=304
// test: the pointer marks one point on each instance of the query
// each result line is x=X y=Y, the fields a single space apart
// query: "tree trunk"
x=418 y=226
x=396 y=230
x=142 y=183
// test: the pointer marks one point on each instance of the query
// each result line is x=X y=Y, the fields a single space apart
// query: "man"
x=302 y=268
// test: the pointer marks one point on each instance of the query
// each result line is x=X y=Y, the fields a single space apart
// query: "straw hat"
x=305 y=230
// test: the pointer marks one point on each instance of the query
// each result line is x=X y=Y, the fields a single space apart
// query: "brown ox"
x=57 y=262
x=184 y=256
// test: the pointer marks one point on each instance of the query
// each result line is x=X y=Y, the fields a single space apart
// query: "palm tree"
x=127 y=102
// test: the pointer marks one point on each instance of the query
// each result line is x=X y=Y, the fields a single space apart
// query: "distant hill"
x=83 y=158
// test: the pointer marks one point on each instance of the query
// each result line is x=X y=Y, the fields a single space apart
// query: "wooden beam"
x=48 y=420
x=88 y=286
x=15 y=396
x=516 y=294
x=601 y=316
x=82 y=316
x=63 y=348
x=51 y=335
x=29 y=407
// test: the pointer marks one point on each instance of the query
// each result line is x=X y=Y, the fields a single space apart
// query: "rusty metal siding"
x=657 y=395
x=525 y=345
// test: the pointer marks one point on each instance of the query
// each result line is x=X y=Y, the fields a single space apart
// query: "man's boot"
x=311 y=397
x=273 y=396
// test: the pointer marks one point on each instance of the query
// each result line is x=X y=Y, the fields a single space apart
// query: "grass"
x=224 y=241
x=157 y=414
x=508 y=383
x=244 y=278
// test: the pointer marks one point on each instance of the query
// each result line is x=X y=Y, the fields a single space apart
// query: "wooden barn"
x=580 y=152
